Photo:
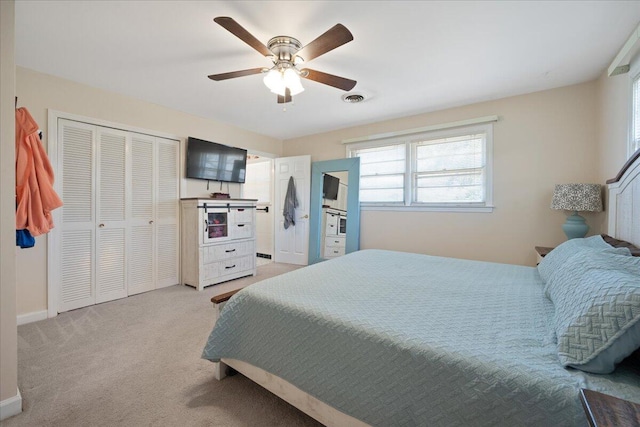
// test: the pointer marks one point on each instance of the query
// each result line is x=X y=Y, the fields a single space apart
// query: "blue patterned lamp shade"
x=577 y=198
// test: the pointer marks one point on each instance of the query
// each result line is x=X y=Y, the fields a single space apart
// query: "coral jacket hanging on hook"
x=35 y=196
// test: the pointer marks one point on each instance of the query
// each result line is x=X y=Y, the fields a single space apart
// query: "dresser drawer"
x=334 y=242
x=241 y=231
x=236 y=265
x=330 y=252
x=243 y=215
x=333 y=251
x=215 y=253
x=210 y=271
x=331 y=228
x=232 y=250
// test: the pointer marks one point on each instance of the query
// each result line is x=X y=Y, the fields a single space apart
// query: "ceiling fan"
x=287 y=53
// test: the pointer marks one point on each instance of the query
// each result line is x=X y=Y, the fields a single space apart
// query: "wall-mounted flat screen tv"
x=330 y=187
x=215 y=162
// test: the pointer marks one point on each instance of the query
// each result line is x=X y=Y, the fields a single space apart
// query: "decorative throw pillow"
x=617 y=243
x=558 y=256
x=597 y=305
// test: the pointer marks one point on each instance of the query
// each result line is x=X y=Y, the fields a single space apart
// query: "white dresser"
x=333 y=236
x=218 y=240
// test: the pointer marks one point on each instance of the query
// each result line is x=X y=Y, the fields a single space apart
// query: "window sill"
x=419 y=208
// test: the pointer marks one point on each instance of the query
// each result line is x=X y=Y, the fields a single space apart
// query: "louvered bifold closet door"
x=141 y=243
x=75 y=269
x=111 y=208
x=167 y=211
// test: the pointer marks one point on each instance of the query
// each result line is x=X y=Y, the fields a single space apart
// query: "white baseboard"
x=34 y=316
x=11 y=406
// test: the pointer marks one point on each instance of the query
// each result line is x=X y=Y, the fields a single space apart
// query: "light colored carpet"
x=136 y=362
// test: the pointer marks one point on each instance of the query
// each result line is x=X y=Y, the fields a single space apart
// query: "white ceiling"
x=408 y=57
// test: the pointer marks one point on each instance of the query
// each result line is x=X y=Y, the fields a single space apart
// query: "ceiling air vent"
x=353 y=98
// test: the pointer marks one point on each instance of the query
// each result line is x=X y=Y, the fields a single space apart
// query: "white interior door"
x=142 y=243
x=167 y=212
x=111 y=208
x=75 y=242
x=292 y=244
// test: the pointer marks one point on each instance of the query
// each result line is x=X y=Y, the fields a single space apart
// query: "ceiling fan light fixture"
x=278 y=81
x=274 y=81
x=292 y=81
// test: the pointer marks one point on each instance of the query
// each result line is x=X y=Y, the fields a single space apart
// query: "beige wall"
x=40 y=92
x=8 y=335
x=541 y=139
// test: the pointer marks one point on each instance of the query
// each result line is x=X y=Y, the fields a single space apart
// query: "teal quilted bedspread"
x=398 y=339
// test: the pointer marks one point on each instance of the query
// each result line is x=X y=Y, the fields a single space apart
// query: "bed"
x=387 y=338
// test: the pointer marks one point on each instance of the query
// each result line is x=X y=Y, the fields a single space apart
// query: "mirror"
x=321 y=218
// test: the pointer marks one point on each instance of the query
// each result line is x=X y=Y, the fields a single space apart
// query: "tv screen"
x=330 y=187
x=215 y=162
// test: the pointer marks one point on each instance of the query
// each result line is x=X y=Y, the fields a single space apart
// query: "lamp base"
x=575 y=227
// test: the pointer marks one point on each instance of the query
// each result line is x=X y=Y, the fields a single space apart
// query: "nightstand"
x=603 y=410
x=542 y=251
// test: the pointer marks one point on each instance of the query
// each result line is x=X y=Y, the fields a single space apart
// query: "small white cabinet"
x=218 y=240
x=334 y=232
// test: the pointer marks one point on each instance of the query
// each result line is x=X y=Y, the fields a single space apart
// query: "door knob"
x=151 y=222
x=101 y=225
x=305 y=217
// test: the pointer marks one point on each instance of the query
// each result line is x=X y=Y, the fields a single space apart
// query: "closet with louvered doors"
x=119 y=230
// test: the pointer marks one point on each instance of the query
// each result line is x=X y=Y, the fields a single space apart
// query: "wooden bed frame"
x=623 y=224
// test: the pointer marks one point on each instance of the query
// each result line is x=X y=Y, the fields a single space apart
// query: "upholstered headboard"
x=624 y=202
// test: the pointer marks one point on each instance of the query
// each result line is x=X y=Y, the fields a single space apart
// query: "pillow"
x=597 y=310
x=616 y=243
x=558 y=256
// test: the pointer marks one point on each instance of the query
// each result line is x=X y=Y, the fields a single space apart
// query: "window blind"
x=450 y=170
x=382 y=172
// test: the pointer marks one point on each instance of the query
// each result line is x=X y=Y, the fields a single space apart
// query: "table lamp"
x=577 y=198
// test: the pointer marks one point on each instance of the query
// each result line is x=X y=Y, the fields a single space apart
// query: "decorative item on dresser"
x=218 y=240
x=577 y=198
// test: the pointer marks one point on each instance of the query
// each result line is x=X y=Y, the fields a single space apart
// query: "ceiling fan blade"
x=328 y=79
x=234 y=74
x=286 y=98
x=334 y=37
x=237 y=30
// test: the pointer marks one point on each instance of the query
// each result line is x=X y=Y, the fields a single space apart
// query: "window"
x=439 y=170
x=634 y=140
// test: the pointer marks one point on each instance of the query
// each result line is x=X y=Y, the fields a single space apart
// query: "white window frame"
x=633 y=145
x=409 y=140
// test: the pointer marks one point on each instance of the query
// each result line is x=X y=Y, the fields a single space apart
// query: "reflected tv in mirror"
x=330 y=187
x=215 y=162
